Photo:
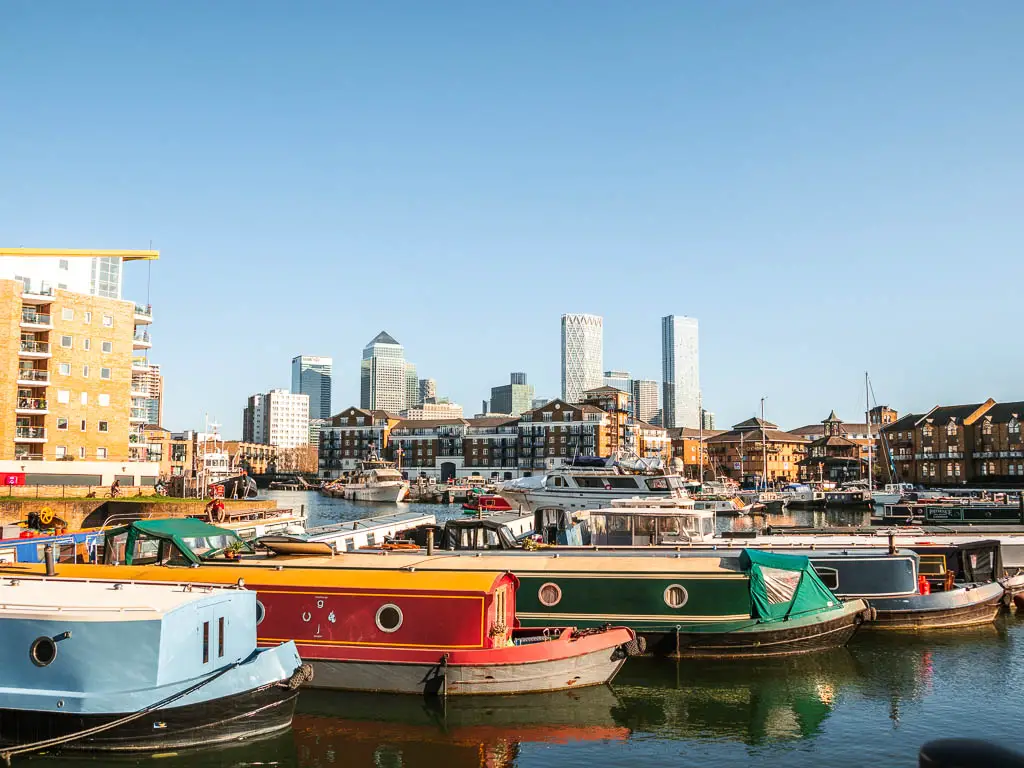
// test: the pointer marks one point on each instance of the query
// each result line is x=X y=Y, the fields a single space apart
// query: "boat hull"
x=559 y=664
x=384 y=494
x=827 y=629
x=250 y=715
x=939 y=610
x=534 y=499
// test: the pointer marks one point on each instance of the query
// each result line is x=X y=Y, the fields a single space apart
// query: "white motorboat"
x=587 y=488
x=373 y=480
x=893 y=493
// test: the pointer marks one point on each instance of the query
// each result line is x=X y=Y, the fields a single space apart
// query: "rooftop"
x=80 y=253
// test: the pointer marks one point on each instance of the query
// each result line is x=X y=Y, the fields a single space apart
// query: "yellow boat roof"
x=265 y=573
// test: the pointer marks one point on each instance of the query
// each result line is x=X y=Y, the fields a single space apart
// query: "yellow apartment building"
x=68 y=344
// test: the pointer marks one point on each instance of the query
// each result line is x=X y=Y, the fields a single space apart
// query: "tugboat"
x=129 y=667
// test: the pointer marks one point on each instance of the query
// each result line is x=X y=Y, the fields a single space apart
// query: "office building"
x=582 y=355
x=279 y=418
x=513 y=398
x=382 y=375
x=428 y=390
x=442 y=410
x=644 y=400
x=69 y=351
x=680 y=372
x=618 y=379
x=312 y=376
x=707 y=419
x=412 y=387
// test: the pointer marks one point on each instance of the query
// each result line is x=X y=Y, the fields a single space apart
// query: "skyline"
x=827 y=189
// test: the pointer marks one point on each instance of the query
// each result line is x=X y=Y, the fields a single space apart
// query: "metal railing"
x=35 y=317
x=41 y=347
x=26 y=456
x=33 y=403
x=146 y=311
x=30 y=433
x=33 y=374
x=143 y=337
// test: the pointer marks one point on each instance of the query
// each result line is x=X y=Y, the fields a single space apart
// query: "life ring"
x=46 y=516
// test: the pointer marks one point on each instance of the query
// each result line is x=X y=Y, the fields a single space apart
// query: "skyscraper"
x=428 y=390
x=382 y=375
x=312 y=376
x=412 y=387
x=278 y=418
x=582 y=355
x=680 y=372
x=618 y=379
x=515 y=398
x=644 y=401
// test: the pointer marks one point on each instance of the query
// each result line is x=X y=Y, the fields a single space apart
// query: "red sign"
x=13 y=478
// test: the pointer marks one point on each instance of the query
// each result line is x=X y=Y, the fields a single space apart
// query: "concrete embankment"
x=86 y=513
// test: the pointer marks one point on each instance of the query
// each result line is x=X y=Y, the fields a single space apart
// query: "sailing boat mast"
x=764 y=447
x=700 y=439
x=871 y=446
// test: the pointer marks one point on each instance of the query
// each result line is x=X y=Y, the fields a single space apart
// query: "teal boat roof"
x=183 y=532
x=784 y=586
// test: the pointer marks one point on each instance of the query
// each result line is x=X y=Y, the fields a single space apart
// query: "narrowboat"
x=29 y=546
x=388 y=630
x=959 y=512
x=122 y=667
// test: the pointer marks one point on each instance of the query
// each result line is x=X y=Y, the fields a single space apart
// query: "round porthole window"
x=675 y=596
x=389 y=618
x=261 y=613
x=42 y=651
x=549 y=594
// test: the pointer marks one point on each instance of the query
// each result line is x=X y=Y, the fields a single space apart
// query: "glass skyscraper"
x=680 y=372
x=582 y=355
x=382 y=375
x=312 y=376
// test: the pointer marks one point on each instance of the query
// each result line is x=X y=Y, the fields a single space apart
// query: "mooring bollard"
x=51 y=569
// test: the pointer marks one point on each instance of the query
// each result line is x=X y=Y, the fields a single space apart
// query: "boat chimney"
x=430 y=542
x=892 y=543
x=51 y=569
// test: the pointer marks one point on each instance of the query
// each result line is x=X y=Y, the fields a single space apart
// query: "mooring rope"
x=7 y=754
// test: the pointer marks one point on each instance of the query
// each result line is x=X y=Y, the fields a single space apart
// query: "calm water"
x=874 y=702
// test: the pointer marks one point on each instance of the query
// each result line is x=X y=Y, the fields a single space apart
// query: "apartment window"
x=81 y=452
x=101 y=453
x=63 y=396
x=1014 y=427
x=108 y=321
x=62 y=423
x=60 y=451
x=88 y=317
x=104 y=373
x=63 y=264
x=85 y=371
x=104 y=399
x=67 y=314
x=85 y=398
x=1013 y=469
x=86 y=344
x=65 y=369
x=65 y=341
x=83 y=425
x=108 y=346
x=103 y=426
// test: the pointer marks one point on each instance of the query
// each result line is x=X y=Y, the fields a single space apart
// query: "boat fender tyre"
x=636 y=647
x=872 y=614
x=301 y=676
x=1007 y=600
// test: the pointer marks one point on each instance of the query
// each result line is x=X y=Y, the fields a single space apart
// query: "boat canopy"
x=138 y=543
x=783 y=586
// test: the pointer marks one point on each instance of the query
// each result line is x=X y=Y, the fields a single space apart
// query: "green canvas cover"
x=782 y=586
x=175 y=529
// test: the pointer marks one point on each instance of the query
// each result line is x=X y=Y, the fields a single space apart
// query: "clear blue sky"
x=829 y=187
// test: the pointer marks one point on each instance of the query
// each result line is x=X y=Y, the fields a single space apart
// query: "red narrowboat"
x=487 y=503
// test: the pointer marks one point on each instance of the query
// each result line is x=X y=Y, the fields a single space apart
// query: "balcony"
x=32 y=377
x=32 y=320
x=141 y=340
x=143 y=314
x=27 y=455
x=37 y=350
x=137 y=416
x=140 y=364
x=35 y=296
x=31 y=406
x=30 y=435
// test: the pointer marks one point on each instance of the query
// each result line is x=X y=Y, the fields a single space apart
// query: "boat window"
x=590 y=482
x=371 y=539
x=205 y=545
x=707 y=526
x=619 y=523
x=206 y=641
x=350 y=544
x=114 y=551
x=622 y=482
x=261 y=613
x=146 y=551
x=220 y=637
x=598 y=523
x=933 y=565
x=829 y=576
x=549 y=594
x=671 y=526
x=657 y=483
x=675 y=596
x=979 y=567
x=43 y=651
x=389 y=618
x=644 y=525
x=780 y=584
x=556 y=482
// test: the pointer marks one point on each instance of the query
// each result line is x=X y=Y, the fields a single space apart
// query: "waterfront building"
x=557 y=431
x=491 y=447
x=649 y=441
x=582 y=355
x=680 y=372
x=382 y=375
x=619 y=380
x=278 y=417
x=740 y=452
x=352 y=436
x=429 y=447
x=428 y=390
x=311 y=376
x=515 y=398
x=253 y=458
x=833 y=456
x=315 y=425
x=687 y=449
x=69 y=351
x=644 y=400
x=615 y=403
x=433 y=410
x=707 y=419
x=865 y=436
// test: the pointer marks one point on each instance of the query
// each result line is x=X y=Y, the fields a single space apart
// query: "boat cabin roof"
x=102 y=600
